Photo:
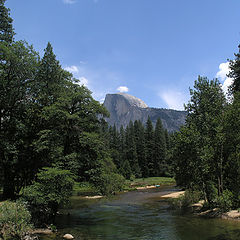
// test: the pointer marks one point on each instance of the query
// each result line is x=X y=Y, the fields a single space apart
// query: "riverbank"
x=87 y=191
x=198 y=208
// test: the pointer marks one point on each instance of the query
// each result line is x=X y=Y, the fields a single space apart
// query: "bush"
x=109 y=183
x=187 y=199
x=225 y=201
x=14 y=220
x=52 y=188
x=211 y=194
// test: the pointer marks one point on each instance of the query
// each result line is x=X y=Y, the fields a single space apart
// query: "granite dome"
x=134 y=101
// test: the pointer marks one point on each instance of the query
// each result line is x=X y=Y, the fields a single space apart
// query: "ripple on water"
x=139 y=215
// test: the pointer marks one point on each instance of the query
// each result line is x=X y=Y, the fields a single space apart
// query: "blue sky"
x=152 y=49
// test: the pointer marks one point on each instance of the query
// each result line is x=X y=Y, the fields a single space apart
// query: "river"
x=138 y=215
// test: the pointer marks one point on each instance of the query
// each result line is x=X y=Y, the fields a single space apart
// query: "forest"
x=54 y=134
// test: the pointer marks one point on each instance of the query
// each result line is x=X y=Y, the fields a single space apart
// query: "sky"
x=151 y=49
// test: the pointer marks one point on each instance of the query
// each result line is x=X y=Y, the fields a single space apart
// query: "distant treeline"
x=140 y=151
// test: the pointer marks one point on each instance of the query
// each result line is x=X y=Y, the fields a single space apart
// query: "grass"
x=83 y=189
x=86 y=189
x=142 y=182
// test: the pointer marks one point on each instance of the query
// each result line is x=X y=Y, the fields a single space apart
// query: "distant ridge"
x=124 y=108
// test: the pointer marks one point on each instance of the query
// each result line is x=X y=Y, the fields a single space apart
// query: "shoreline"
x=209 y=213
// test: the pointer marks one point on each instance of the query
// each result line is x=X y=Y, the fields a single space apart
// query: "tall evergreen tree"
x=50 y=78
x=159 y=162
x=6 y=28
x=140 y=147
x=149 y=141
x=131 y=153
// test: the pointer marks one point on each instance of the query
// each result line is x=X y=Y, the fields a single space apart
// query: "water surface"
x=139 y=215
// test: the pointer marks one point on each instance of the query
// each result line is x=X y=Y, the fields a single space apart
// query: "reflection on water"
x=139 y=215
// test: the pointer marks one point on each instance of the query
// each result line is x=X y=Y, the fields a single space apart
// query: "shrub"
x=211 y=194
x=109 y=183
x=186 y=200
x=52 y=188
x=14 y=220
x=225 y=201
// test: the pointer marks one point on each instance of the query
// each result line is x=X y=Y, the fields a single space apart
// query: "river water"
x=138 y=215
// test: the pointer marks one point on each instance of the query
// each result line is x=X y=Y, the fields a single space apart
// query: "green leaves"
x=198 y=146
x=14 y=220
x=6 y=28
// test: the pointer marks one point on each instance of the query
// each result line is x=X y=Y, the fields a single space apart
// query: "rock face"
x=124 y=108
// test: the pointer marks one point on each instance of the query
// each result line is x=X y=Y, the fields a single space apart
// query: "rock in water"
x=68 y=236
x=124 y=108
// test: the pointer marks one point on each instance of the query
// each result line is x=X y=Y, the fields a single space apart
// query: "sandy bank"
x=174 y=194
x=93 y=197
x=146 y=187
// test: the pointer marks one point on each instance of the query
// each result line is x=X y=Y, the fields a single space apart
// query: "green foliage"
x=14 y=220
x=211 y=193
x=141 y=151
x=186 y=200
x=225 y=201
x=52 y=188
x=6 y=28
x=110 y=183
x=234 y=73
x=198 y=151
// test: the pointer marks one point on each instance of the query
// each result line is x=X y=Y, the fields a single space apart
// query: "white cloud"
x=72 y=69
x=222 y=75
x=173 y=99
x=122 y=89
x=69 y=1
x=83 y=81
x=99 y=81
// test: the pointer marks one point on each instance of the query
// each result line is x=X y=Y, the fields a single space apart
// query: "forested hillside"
x=141 y=151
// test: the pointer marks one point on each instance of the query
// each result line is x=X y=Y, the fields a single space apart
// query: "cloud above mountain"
x=123 y=89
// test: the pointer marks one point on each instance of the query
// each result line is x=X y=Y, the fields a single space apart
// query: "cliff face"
x=124 y=108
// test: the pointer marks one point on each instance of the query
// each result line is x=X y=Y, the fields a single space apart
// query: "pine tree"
x=131 y=153
x=51 y=78
x=6 y=28
x=159 y=150
x=149 y=140
x=140 y=146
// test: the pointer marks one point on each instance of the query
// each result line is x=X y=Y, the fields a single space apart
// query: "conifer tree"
x=149 y=141
x=159 y=150
x=6 y=28
x=131 y=153
x=51 y=78
x=140 y=147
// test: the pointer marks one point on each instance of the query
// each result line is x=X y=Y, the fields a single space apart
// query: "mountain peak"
x=124 y=108
x=133 y=101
